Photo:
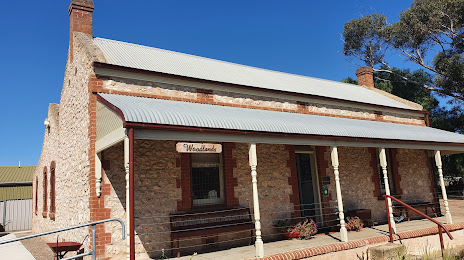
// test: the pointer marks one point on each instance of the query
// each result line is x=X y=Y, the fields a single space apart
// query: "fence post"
x=4 y=215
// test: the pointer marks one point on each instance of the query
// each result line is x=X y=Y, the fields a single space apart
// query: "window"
x=36 y=194
x=391 y=180
x=207 y=179
x=52 y=190
x=45 y=206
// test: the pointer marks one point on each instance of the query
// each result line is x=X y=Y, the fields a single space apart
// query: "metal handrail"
x=441 y=227
x=93 y=224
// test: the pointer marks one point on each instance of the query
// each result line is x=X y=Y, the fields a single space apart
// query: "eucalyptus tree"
x=430 y=34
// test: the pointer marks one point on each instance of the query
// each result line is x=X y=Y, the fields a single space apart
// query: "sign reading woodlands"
x=198 y=148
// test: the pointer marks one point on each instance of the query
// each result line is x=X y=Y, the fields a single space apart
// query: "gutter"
x=16 y=184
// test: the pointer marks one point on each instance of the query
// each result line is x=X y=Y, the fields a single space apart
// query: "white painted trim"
x=383 y=165
x=253 y=160
x=341 y=214
x=438 y=162
x=300 y=140
x=110 y=139
x=98 y=174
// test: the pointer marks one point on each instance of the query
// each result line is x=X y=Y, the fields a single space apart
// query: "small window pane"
x=207 y=183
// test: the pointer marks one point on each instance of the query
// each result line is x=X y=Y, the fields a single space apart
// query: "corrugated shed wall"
x=15 y=193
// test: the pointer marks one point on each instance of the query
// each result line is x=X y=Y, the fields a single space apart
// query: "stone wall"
x=157 y=192
x=356 y=182
x=156 y=195
x=416 y=175
x=67 y=144
x=273 y=187
x=358 y=187
x=239 y=99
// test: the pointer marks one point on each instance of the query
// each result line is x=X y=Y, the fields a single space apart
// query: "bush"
x=307 y=229
x=354 y=224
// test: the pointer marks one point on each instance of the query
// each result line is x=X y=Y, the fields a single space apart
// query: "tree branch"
x=419 y=84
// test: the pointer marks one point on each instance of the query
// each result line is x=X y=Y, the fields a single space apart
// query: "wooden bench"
x=206 y=223
x=400 y=209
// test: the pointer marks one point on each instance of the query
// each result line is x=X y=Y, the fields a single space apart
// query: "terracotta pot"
x=292 y=235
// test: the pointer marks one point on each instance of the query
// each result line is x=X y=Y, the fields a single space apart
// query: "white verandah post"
x=383 y=164
x=259 y=246
x=449 y=220
x=126 y=166
x=341 y=214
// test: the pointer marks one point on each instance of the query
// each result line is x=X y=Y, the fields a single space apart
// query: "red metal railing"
x=441 y=227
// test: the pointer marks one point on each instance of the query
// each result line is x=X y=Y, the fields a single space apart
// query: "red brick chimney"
x=365 y=77
x=80 y=17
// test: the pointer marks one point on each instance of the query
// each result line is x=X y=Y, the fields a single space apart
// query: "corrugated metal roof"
x=167 y=112
x=16 y=174
x=175 y=63
x=15 y=193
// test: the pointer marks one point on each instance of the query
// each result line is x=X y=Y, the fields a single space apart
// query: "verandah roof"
x=186 y=114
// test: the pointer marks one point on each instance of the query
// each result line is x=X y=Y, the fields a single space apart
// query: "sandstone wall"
x=356 y=182
x=416 y=175
x=157 y=192
x=358 y=187
x=239 y=99
x=273 y=187
x=156 y=195
x=68 y=144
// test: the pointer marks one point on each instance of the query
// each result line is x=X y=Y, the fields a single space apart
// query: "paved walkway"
x=14 y=250
x=271 y=248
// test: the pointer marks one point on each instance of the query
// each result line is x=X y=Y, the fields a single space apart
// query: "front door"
x=308 y=186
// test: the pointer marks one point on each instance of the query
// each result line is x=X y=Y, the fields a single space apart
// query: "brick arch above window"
x=52 y=190
x=45 y=191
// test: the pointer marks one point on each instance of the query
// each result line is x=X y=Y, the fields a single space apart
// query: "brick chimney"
x=80 y=17
x=365 y=77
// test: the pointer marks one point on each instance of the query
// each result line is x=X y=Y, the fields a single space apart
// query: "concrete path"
x=14 y=250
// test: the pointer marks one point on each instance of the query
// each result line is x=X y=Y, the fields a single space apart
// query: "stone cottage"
x=171 y=143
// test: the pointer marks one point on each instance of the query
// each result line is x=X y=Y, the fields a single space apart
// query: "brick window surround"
x=45 y=191
x=52 y=190
x=185 y=184
x=36 y=195
x=394 y=171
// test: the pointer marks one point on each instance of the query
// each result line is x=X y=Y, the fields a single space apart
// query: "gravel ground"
x=456 y=207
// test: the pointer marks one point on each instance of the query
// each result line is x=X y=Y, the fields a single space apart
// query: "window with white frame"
x=207 y=178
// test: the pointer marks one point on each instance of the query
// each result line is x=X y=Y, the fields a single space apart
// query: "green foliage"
x=364 y=38
x=350 y=81
x=428 y=27
x=354 y=224
x=306 y=228
x=411 y=89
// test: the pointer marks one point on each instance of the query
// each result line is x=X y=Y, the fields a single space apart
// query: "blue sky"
x=301 y=37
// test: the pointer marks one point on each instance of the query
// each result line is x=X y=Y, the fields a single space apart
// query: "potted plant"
x=354 y=224
x=302 y=230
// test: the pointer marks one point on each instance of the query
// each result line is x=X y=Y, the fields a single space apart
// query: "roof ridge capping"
x=365 y=77
x=396 y=98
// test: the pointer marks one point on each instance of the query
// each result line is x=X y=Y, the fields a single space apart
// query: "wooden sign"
x=198 y=148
